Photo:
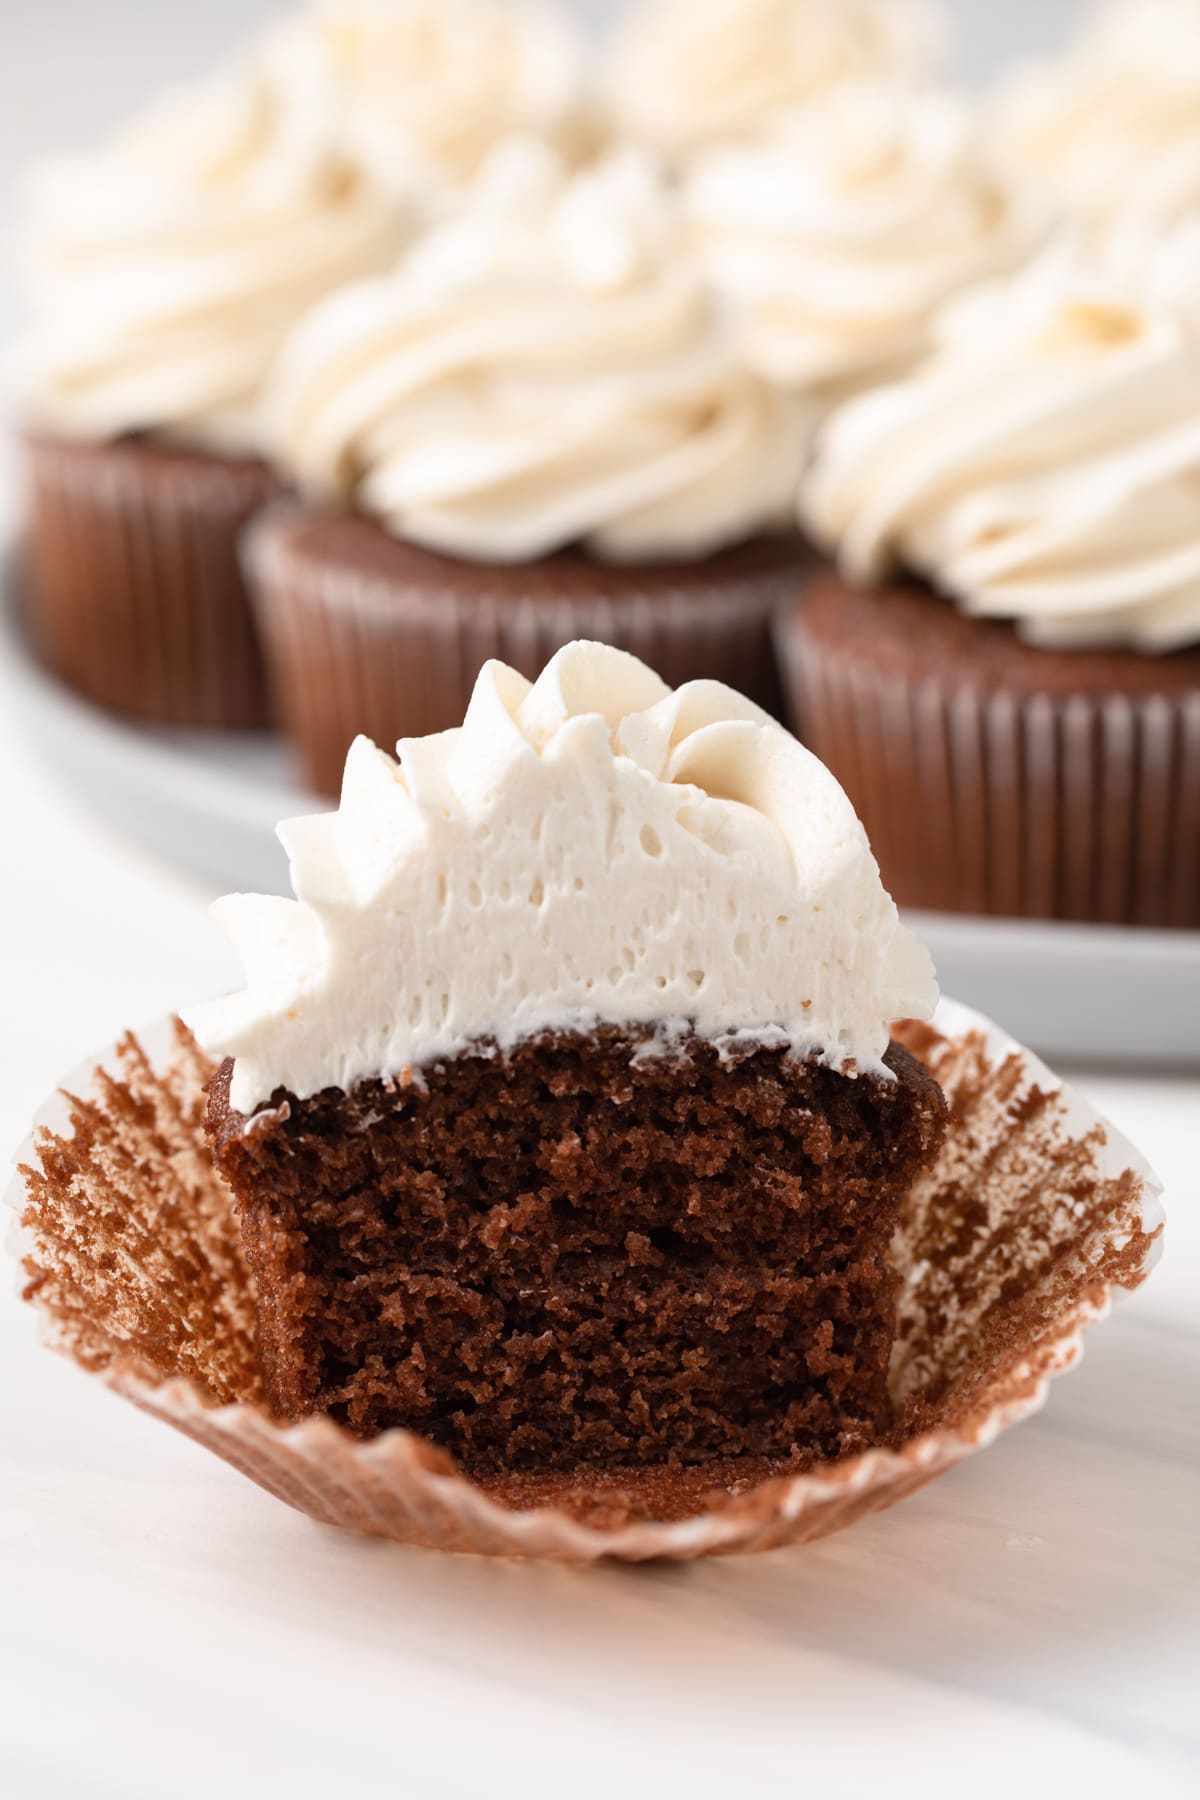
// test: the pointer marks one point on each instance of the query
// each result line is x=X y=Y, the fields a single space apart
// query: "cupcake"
x=165 y=272
x=560 y=1110
x=561 y=1185
x=537 y=428
x=838 y=234
x=1110 y=129
x=683 y=76
x=1018 y=721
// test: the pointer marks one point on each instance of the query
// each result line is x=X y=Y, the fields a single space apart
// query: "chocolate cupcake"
x=165 y=272
x=1021 y=736
x=542 y=431
x=563 y=1182
x=600 y=1166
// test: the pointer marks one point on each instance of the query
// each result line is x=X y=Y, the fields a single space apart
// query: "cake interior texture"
x=577 y=1254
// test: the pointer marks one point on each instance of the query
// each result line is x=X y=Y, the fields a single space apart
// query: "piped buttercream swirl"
x=683 y=74
x=838 y=235
x=592 y=848
x=547 y=367
x=1043 y=465
x=167 y=268
x=425 y=88
x=1111 y=128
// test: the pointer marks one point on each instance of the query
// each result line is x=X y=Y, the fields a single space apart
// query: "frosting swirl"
x=168 y=267
x=1112 y=128
x=838 y=234
x=591 y=849
x=424 y=88
x=683 y=75
x=1043 y=466
x=548 y=367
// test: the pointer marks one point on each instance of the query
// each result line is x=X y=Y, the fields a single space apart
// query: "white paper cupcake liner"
x=1011 y=1246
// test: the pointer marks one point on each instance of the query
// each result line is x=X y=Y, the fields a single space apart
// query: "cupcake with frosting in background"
x=1006 y=678
x=165 y=271
x=682 y=77
x=837 y=234
x=537 y=428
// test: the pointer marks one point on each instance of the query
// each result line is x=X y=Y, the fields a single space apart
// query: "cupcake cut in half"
x=561 y=1111
x=1018 y=721
x=165 y=271
x=537 y=429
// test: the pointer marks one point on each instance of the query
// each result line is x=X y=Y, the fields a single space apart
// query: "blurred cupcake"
x=1110 y=129
x=838 y=234
x=544 y=433
x=425 y=88
x=682 y=76
x=1018 y=723
x=165 y=270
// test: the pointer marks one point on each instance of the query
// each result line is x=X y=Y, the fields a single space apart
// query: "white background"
x=166 y=1629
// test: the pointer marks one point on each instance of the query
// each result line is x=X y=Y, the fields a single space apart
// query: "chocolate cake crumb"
x=570 y=1257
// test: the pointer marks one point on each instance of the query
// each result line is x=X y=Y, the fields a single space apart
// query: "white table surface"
x=168 y=1629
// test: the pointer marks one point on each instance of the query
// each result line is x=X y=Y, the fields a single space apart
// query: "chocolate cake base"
x=365 y=633
x=995 y=776
x=572 y=1255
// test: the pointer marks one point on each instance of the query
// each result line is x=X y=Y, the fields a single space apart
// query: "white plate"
x=209 y=801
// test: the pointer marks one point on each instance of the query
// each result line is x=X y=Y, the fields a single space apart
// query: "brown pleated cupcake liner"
x=1010 y=1248
x=134 y=588
x=350 y=651
x=1042 y=805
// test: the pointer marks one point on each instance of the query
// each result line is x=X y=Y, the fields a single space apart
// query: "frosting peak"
x=1042 y=466
x=591 y=848
x=546 y=367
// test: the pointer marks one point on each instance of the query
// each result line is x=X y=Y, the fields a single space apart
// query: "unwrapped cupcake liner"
x=1077 y=806
x=1010 y=1246
x=350 y=651
x=135 y=593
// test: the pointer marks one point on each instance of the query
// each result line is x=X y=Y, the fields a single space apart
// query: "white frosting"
x=685 y=73
x=838 y=234
x=547 y=367
x=167 y=268
x=424 y=88
x=1112 y=127
x=1043 y=466
x=1170 y=264
x=590 y=849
